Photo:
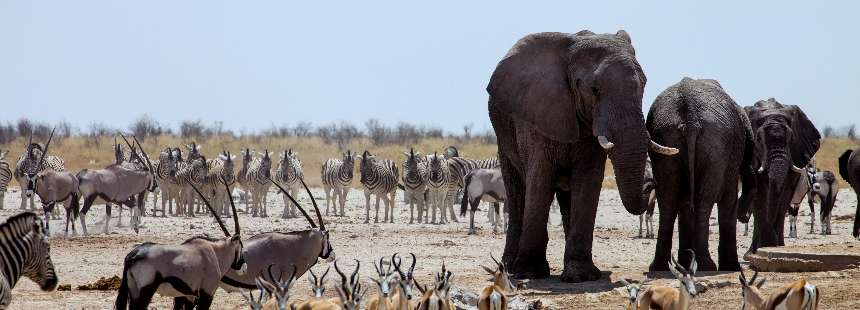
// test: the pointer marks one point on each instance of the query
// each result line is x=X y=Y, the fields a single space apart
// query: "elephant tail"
x=691 y=136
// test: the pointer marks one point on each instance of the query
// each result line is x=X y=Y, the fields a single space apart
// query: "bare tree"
x=467 y=131
x=303 y=129
x=852 y=132
x=828 y=131
x=376 y=131
x=144 y=127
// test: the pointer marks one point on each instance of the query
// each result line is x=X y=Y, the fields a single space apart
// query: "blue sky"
x=252 y=64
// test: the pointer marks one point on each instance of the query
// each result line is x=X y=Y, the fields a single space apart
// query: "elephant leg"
x=701 y=232
x=727 y=253
x=668 y=208
x=585 y=190
x=563 y=198
x=686 y=231
x=515 y=191
x=531 y=259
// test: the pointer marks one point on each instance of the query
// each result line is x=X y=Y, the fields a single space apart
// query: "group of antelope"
x=798 y=295
x=395 y=290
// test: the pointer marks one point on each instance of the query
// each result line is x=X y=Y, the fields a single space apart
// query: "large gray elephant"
x=785 y=140
x=559 y=103
x=849 y=169
x=715 y=141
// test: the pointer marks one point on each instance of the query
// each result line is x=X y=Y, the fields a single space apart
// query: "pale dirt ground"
x=617 y=252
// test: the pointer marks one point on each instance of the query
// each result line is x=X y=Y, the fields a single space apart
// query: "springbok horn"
x=355 y=273
x=679 y=267
x=342 y=276
x=307 y=216
x=604 y=142
x=232 y=204
x=755 y=274
x=208 y=206
x=45 y=151
x=412 y=268
x=743 y=278
x=396 y=262
x=693 y=263
x=664 y=150
x=314 y=201
x=498 y=264
x=272 y=276
x=325 y=273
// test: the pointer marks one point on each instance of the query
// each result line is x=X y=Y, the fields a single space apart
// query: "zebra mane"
x=18 y=225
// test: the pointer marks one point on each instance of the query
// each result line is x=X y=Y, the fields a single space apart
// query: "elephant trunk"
x=777 y=171
x=628 y=162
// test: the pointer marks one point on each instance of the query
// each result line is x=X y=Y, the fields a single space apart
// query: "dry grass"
x=79 y=153
x=82 y=152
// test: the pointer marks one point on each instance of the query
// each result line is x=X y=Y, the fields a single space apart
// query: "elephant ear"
x=843 y=166
x=531 y=84
x=806 y=139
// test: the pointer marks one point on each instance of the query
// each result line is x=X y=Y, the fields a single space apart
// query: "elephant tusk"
x=605 y=143
x=668 y=151
x=796 y=169
x=761 y=169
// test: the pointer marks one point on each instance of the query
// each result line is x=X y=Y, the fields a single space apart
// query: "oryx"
x=52 y=187
x=119 y=184
x=486 y=185
x=189 y=272
x=299 y=248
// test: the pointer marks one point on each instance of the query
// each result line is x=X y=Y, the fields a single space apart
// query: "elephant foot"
x=659 y=265
x=472 y=232
x=531 y=269
x=706 y=263
x=575 y=272
x=367 y=221
x=732 y=265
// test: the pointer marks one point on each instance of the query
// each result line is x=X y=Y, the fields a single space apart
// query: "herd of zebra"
x=430 y=183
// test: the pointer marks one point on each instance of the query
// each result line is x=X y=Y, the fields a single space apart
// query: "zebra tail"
x=464 y=204
x=400 y=186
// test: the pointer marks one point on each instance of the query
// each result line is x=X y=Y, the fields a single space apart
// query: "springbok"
x=665 y=297
x=116 y=184
x=189 y=272
x=798 y=295
x=385 y=279
x=317 y=288
x=486 y=185
x=438 y=297
x=299 y=248
x=494 y=296
x=350 y=294
x=403 y=292
x=278 y=289
x=632 y=293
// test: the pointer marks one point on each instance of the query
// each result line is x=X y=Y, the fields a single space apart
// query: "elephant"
x=715 y=140
x=559 y=103
x=785 y=140
x=849 y=169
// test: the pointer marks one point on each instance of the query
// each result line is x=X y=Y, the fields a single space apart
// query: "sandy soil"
x=618 y=252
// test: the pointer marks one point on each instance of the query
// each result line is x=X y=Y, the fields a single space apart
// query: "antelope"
x=189 y=272
x=798 y=295
x=317 y=287
x=438 y=297
x=350 y=294
x=486 y=185
x=52 y=187
x=116 y=184
x=494 y=296
x=405 y=283
x=664 y=297
x=632 y=293
x=384 y=280
x=278 y=289
x=299 y=248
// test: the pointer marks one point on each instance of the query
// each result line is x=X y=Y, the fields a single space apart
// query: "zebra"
x=336 y=175
x=378 y=177
x=437 y=186
x=27 y=164
x=193 y=151
x=188 y=174
x=415 y=183
x=5 y=176
x=458 y=168
x=287 y=175
x=24 y=250
x=242 y=175
x=258 y=176
x=219 y=167
x=165 y=168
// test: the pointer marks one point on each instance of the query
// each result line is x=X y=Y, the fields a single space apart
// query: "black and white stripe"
x=165 y=169
x=258 y=177
x=414 y=179
x=458 y=168
x=5 y=176
x=336 y=176
x=28 y=163
x=437 y=186
x=186 y=174
x=220 y=167
x=24 y=251
x=287 y=175
x=379 y=178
